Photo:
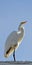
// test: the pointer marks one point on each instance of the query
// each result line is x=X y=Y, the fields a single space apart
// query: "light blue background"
x=12 y=12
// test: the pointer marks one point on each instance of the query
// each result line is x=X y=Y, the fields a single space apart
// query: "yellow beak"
x=24 y=22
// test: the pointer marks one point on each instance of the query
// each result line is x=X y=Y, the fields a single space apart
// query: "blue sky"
x=12 y=12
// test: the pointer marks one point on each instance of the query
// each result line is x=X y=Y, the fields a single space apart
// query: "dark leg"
x=14 y=55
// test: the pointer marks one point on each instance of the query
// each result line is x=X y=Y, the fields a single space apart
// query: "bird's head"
x=22 y=23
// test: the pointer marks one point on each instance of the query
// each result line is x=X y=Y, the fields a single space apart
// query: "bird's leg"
x=14 y=55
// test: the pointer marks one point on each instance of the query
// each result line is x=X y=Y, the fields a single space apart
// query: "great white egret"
x=13 y=41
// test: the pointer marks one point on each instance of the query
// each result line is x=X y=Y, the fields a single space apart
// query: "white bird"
x=13 y=41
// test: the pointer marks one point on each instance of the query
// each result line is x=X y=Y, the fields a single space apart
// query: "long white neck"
x=20 y=34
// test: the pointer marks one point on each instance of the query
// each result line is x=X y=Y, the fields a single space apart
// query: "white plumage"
x=13 y=40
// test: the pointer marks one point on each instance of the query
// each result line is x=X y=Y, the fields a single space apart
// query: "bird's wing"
x=10 y=50
x=11 y=43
